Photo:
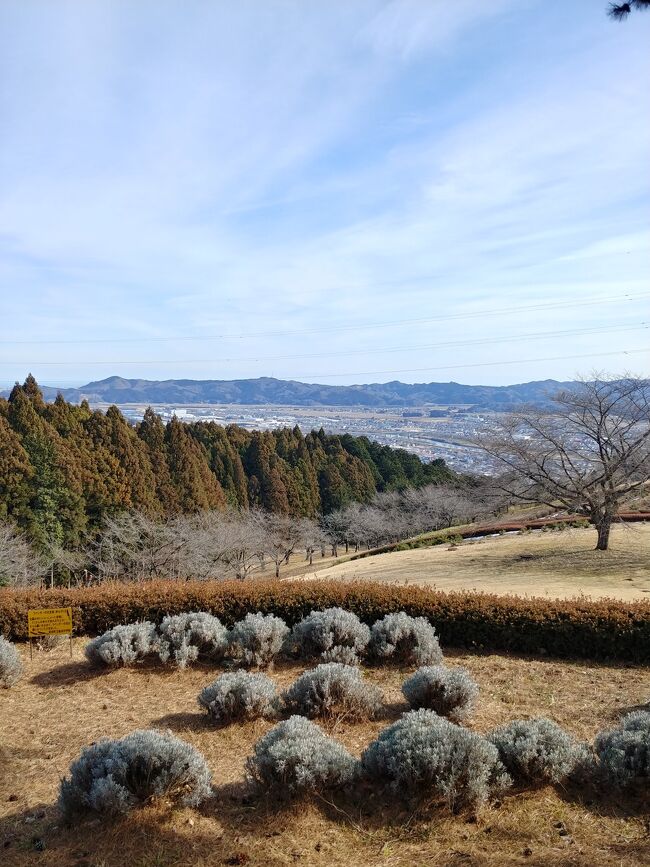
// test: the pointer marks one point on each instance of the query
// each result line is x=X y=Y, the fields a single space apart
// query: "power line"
x=319 y=376
x=380 y=350
x=555 y=305
x=476 y=364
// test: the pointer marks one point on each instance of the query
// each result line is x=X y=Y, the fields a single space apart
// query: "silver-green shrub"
x=296 y=756
x=424 y=753
x=624 y=752
x=334 y=633
x=450 y=692
x=537 y=751
x=344 y=655
x=333 y=689
x=404 y=639
x=11 y=666
x=185 y=637
x=257 y=639
x=123 y=645
x=239 y=695
x=115 y=776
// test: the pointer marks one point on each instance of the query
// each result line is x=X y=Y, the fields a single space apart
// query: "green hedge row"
x=602 y=630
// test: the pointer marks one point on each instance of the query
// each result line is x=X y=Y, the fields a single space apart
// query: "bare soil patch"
x=61 y=705
x=559 y=564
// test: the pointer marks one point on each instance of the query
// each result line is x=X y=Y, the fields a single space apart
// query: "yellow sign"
x=49 y=621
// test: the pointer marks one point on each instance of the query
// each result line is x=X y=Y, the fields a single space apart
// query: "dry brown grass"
x=558 y=564
x=60 y=706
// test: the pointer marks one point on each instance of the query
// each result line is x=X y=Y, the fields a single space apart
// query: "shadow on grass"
x=67 y=674
x=81 y=670
x=631 y=708
x=186 y=721
x=597 y=798
x=239 y=823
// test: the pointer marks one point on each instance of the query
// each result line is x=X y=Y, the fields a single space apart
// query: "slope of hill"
x=266 y=390
x=557 y=565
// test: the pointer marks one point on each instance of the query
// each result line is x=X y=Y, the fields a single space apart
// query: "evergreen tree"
x=197 y=486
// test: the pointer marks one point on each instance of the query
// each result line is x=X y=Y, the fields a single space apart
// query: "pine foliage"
x=64 y=468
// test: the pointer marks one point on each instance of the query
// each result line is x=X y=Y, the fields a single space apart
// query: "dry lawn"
x=559 y=564
x=61 y=705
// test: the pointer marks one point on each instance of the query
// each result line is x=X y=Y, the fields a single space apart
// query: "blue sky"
x=338 y=192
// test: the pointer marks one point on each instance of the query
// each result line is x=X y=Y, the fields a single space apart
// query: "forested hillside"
x=266 y=390
x=64 y=467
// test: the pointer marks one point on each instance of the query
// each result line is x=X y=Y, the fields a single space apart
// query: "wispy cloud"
x=201 y=168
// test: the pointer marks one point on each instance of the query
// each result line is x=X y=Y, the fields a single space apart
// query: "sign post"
x=49 y=621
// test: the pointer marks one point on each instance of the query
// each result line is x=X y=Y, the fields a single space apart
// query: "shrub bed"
x=601 y=629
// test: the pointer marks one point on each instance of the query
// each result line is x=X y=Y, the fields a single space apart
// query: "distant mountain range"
x=266 y=390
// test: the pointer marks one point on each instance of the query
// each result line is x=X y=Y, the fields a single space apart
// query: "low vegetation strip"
x=456 y=534
x=604 y=629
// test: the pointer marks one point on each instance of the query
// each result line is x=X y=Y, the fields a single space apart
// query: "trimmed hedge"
x=602 y=629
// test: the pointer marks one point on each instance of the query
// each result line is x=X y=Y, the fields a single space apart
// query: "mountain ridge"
x=281 y=392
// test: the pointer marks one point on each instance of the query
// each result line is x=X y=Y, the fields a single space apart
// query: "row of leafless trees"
x=217 y=545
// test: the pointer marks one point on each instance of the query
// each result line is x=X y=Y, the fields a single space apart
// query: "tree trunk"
x=604 y=525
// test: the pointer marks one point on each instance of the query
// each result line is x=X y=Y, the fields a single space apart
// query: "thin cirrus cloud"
x=204 y=169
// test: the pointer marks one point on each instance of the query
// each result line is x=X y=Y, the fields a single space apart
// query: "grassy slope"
x=60 y=706
x=558 y=564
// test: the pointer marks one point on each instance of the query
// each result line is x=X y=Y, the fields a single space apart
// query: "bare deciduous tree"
x=20 y=565
x=136 y=547
x=586 y=454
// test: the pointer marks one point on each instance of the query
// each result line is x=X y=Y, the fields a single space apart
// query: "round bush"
x=123 y=645
x=11 y=666
x=115 y=776
x=335 y=632
x=624 y=752
x=296 y=756
x=333 y=689
x=186 y=637
x=423 y=752
x=257 y=639
x=344 y=655
x=536 y=751
x=239 y=695
x=450 y=692
x=406 y=640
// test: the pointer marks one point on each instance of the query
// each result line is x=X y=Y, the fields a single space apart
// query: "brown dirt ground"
x=61 y=705
x=557 y=564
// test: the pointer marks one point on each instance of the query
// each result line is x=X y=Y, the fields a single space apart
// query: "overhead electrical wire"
x=379 y=350
x=318 y=376
x=475 y=364
x=478 y=314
